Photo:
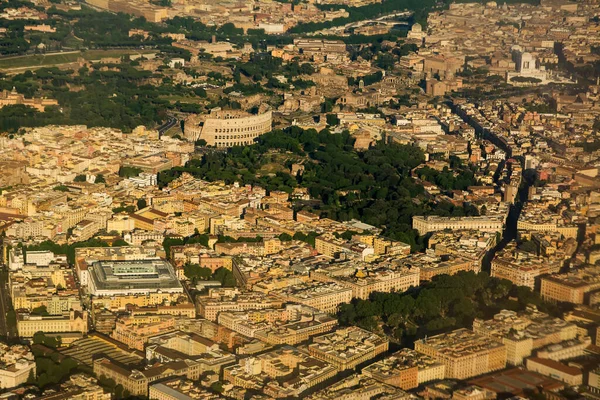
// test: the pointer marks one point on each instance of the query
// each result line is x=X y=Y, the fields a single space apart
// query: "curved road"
x=171 y=122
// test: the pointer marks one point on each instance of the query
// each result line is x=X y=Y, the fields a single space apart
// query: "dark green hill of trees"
x=374 y=186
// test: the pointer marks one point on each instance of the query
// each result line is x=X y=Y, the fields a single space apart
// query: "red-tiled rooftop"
x=516 y=381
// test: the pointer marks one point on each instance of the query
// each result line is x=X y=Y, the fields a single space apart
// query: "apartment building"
x=17 y=363
x=572 y=376
x=333 y=247
x=464 y=353
x=179 y=345
x=180 y=389
x=120 y=303
x=73 y=321
x=346 y=348
x=523 y=269
x=232 y=299
x=292 y=325
x=428 y=224
x=430 y=265
x=324 y=296
x=135 y=330
x=406 y=369
x=522 y=333
x=571 y=287
x=364 y=281
x=270 y=372
x=137 y=382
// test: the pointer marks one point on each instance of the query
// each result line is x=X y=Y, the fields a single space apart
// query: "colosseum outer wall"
x=223 y=129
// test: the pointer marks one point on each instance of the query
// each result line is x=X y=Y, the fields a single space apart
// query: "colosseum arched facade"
x=227 y=128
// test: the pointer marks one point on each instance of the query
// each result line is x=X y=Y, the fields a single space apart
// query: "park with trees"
x=375 y=185
x=445 y=303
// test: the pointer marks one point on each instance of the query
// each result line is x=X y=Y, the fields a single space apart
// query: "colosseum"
x=226 y=128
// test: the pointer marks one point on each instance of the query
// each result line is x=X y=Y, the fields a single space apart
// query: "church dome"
x=417 y=28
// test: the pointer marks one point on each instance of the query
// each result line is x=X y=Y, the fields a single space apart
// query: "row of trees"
x=68 y=249
x=196 y=273
x=199 y=238
x=113 y=387
x=51 y=367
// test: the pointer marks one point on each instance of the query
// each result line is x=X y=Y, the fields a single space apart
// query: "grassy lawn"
x=271 y=168
x=73 y=42
x=37 y=60
x=276 y=163
x=97 y=54
x=63 y=58
x=176 y=130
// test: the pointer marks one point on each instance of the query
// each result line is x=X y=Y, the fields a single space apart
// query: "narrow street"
x=510 y=230
x=5 y=305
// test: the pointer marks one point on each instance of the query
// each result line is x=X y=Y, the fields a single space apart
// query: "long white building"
x=426 y=224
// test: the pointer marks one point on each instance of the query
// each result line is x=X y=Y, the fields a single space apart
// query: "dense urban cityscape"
x=299 y=199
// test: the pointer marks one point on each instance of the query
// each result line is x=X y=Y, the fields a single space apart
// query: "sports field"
x=44 y=60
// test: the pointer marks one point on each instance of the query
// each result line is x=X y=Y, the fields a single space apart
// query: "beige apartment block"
x=464 y=353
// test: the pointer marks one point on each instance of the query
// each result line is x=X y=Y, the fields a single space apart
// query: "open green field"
x=42 y=60
x=97 y=54
x=37 y=60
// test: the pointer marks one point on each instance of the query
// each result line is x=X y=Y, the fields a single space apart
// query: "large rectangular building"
x=406 y=369
x=180 y=389
x=383 y=277
x=73 y=321
x=135 y=331
x=135 y=277
x=571 y=287
x=518 y=382
x=347 y=348
x=85 y=256
x=231 y=299
x=290 y=325
x=523 y=270
x=464 y=353
x=434 y=223
x=137 y=382
x=324 y=296
x=570 y=375
x=181 y=345
x=524 y=332
x=430 y=265
x=285 y=372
